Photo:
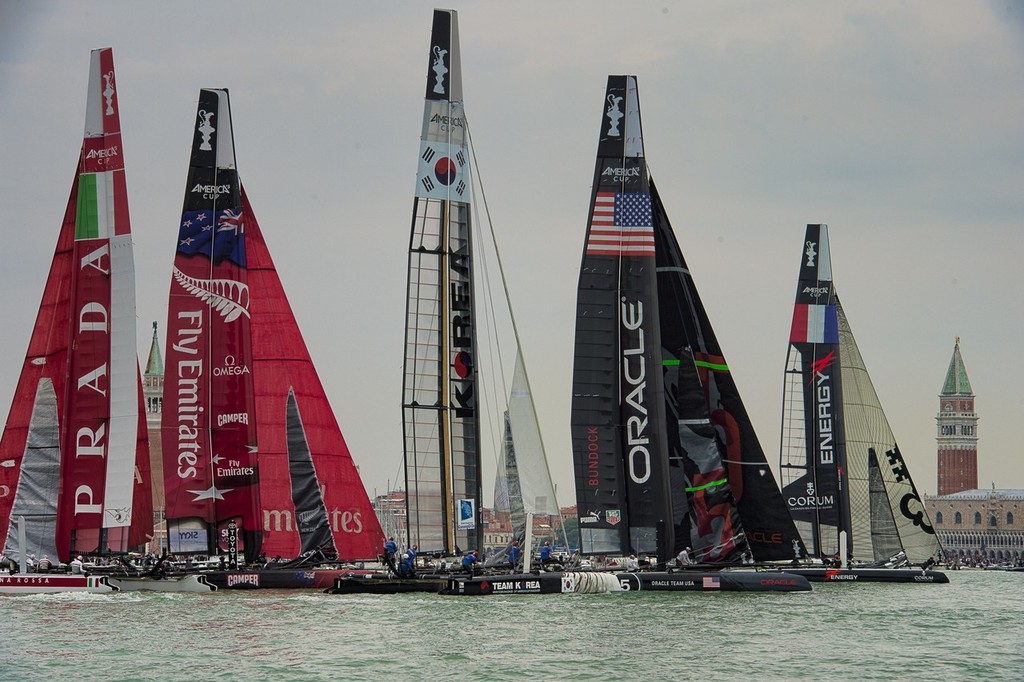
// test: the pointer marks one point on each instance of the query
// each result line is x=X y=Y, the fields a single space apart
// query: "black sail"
x=730 y=490
x=665 y=455
x=617 y=410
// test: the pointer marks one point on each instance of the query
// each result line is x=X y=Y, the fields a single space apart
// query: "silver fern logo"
x=226 y=296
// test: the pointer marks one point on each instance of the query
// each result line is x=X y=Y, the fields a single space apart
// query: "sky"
x=899 y=124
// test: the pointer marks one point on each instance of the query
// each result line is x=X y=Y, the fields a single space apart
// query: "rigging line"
x=511 y=312
x=490 y=392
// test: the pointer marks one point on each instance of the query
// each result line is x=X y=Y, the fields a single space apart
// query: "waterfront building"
x=975 y=526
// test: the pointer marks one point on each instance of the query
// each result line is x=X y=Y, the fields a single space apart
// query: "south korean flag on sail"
x=443 y=172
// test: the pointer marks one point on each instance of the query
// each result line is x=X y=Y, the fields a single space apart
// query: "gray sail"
x=866 y=428
x=39 y=480
x=310 y=511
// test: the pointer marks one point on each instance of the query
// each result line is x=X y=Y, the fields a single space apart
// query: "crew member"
x=513 y=554
x=545 y=553
x=469 y=560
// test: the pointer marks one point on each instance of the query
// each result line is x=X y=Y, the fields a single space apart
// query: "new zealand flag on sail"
x=216 y=239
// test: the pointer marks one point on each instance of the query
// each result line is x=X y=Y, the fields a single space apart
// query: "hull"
x=274 y=579
x=51 y=584
x=380 y=583
x=870 y=575
x=533 y=583
x=714 y=581
x=184 y=583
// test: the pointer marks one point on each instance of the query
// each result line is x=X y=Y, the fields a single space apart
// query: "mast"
x=813 y=455
x=78 y=404
x=439 y=403
x=208 y=424
x=617 y=406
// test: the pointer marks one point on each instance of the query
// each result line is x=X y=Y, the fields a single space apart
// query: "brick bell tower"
x=957 y=434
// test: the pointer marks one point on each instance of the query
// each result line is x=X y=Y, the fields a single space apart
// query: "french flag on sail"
x=814 y=323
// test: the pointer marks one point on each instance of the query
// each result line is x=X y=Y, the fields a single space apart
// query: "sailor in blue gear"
x=406 y=568
x=469 y=560
x=412 y=553
x=545 y=553
x=390 y=549
x=513 y=553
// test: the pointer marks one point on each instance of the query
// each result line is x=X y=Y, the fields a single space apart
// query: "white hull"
x=52 y=584
x=186 y=583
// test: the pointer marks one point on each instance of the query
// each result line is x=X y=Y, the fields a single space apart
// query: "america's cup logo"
x=811 y=253
x=206 y=128
x=614 y=114
x=439 y=68
x=108 y=92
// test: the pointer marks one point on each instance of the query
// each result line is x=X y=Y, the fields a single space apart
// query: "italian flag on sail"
x=102 y=205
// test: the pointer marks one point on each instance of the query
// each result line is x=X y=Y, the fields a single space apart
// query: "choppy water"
x=969 y=629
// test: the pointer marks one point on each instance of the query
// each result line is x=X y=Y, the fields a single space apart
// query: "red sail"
x=282 y=363
x=88 y=305
x=234 y=355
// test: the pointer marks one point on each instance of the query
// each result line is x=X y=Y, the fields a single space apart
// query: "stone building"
x=974 y=525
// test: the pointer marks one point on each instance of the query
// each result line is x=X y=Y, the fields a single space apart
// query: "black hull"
x=870 y=575
x=274 y=579
x=512 y=583
x=385 y=584
x=714 y=581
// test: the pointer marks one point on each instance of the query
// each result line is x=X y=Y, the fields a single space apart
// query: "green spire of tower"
x=155 y=364
x=957 y=382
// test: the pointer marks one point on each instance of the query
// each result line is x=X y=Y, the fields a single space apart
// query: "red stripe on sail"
x=798 y=331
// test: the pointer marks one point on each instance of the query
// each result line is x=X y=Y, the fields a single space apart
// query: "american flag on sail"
x=622 y=225
x=712 y=582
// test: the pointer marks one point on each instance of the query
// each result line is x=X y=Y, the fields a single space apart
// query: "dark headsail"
x=665 y=454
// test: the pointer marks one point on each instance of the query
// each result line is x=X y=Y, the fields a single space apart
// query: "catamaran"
x=665 y=456
x=255 y=465
x=448 y=401
x=845 y=480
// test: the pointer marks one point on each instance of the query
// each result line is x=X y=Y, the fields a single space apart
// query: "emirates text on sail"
x=188 y=409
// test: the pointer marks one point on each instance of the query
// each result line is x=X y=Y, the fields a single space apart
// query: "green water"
x=969 y=629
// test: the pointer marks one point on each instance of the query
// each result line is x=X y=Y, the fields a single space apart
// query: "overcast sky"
x=901 y=125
